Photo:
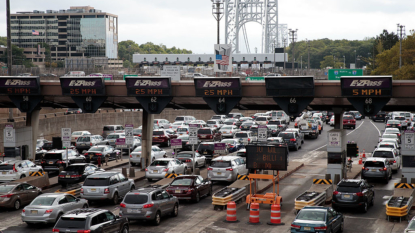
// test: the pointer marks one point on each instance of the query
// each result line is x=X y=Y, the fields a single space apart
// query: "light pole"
x=293 y=34
x=273 y=66
x=401 y=34
x=308 y=52
x=217 y=12
x=344 y=62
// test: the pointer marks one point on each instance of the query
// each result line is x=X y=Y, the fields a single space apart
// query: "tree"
x=3 y=40
x=329 y=62
x=127 y=64
x=18 y=57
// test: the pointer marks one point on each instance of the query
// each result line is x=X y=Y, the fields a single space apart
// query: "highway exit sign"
x=335 y=74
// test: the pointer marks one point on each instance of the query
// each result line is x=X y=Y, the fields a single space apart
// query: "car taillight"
x=249 y=139
x=98 y=154
x=23 y=210
x=383 y=169
x=131 y=156
x=123 y=205
x=43 y=161
x=146 y=169
x=107 y=190
x=83 y=231
x=267 y=123
x=320 y=228
x=335 y=192
x=388 y=125
x=229 y=169
x=215 y=126
x=188 y=160
x=48 y=211
x=170 y=127
x=394 y=161
x=189 y=190
x=82 y=190
x=209 y=169
x=197 y=151
x=90 y=144
x=399 y=134
x=240 y=127
x=75 y=176
x=399 y=124
x=165 y=169
x=230 y=132
x=7 y=196
x=59 y=161
x=55 y=230
x=295 y=226
x=148 y=205
x=293 y=140
x=359 y=194
x=61 y=176
x=14 y=168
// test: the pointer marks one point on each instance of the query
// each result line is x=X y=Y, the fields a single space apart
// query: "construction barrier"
x=225 y=195
x=231 y=213
x=172 y=175
x=275 y=215
x=39 y=173
x=400 y=203
x=321 y=181
x=320 y=191
x=243 y=177
x=74 y=190
x=254 y=214
x=404 y=186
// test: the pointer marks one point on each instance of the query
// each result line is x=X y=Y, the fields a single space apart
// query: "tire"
x=22 y=176
x=341 y=227
x=197 y=197
x=115 y=198
x=59 y=216
x=364 y=207
x=175 y=211
x=157 y=219
x=296 y=148
x=125 y=229
x=210 y=191
x=196 y=165
x=85 y=206
x=372 y=202
x=168 y=143
x=17 y=205
x=149 y=179
x=354 y=127
x=132 y=188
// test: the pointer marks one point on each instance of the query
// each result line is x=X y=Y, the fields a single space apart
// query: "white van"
x=75 y=73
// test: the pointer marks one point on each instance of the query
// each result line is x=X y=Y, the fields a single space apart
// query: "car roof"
x=145 y=190
x=375 y=159
x=82 y=213
x=227 y=158
x=383 y=149
x=350 y=183
x=164 y=159
x=98 y=146
x=321 y=208
x=103 y=174
x=53 y=194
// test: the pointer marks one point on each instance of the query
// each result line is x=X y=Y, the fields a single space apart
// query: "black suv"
x=206 y=149
x=354 y=194
x=380 y=116
x=91 y=221
x=328 y=117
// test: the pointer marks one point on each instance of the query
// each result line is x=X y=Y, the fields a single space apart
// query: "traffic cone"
x=275 y=215
x=254 y=214
x=360 y=161
x=364 y=155
x=231 y=213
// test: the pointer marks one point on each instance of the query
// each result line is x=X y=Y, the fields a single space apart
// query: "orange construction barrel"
x=231 y=213
x=254 y=214
x=275 y=215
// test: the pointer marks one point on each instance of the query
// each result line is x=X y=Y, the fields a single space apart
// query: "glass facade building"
x=77 y=32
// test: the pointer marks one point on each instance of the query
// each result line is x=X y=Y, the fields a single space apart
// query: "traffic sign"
x=220 y=148
x=171 y=71
x=66 y=144
x=266 y=157
x=176 y=143
x=409 y=139
x=335 y=74
x=120 y=141
x=262 y=133
x=193 y=134
x=129 y=136
x=9 y=136
x=66 y=134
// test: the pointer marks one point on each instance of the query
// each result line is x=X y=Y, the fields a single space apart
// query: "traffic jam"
x=180 y=148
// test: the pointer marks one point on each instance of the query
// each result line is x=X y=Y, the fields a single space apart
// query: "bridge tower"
x=264 y=12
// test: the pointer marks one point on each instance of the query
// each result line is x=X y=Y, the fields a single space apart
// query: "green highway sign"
x=129 y=75
x=257 y=79
x=335 y=74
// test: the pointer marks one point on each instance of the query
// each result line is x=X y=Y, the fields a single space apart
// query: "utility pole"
x=308 y=51
x=217 y=12
x=401 y=33
x=9 y=52
x=285 y=42
x=293 y=38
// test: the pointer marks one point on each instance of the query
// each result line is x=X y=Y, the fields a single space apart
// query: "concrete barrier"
x=38 y=181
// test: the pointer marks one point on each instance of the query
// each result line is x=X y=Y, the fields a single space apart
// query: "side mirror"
x=77 y=199
x=117 y=217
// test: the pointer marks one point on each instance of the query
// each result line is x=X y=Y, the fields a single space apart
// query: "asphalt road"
x=201 y=217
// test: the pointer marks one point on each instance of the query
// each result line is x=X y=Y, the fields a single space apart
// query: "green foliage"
x=18 y=57
x=127 y=64
x=127 y=48
x=3 y=40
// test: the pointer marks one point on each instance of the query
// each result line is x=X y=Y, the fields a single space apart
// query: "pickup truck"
x=309 y=127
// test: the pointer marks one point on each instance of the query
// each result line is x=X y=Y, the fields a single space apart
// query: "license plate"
x=224 y=132
x=307 y=228
x=93 y=190
x=83 y=144
x=205 y=153
x=51 y=162
x=33 y=211
x=156 y=138
x=155 y=171
x=68 y=176
x=373 y=170
x=4 y=173
x=133 y=211
x=202 y=136
x=177 y=191
x=219 y=173
x=346 y=196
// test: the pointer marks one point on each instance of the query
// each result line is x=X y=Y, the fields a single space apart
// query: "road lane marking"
x=376 y=128
x=318 y=148
x=356 y=128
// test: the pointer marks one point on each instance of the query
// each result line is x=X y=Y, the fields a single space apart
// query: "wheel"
x=197 y=197
x=372 y=202
x=210 y=191
x=149 y=179
x=296 y=148
x=85 y=206
x=341 y=227
x=17 y=204
x=22 y=176
x=175 y=211
x=184 y=171
x=196 y=165
x=125 y=229
x=364 y=207
x=59 y=216
x=157 y=219
x=115 y=198
x=354 y=127
x=132 y=188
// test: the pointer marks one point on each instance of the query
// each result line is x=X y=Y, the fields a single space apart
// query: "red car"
x=161 y=137
x=349 y=122
x=209 y=135
x=190 y=187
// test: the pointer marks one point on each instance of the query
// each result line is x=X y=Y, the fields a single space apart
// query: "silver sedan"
x=48 y=208
x=187 y=158
x=160 y=167
x=229 y=131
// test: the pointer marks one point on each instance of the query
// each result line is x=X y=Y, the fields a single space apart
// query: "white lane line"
x=318 y=148
x=356 y=128
x=376 y=128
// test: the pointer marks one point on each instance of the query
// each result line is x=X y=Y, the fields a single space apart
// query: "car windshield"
x=184 y=156
x=84 y=139
x=348 y=189
x=77 y=223
x=272 y=126
x=158 y=133
x=53 y=156
x=411 y=225
x=274 y=122
x=96 y=181
x=286 y=135
x=261 y=119
x=136 y=199
x=205 y=147
x=204 y=131
x=311 y=215
x=76 y=133
x=211 y=122
x=96 y=149
x=386 y=146
x=247 y=123
x=75 y=168
x=392 y=130
x=399 y=118
x=162 y=163
x=179 y=119
x=45 y=201
x=383 y=154
x=230 y=141
x=6 y=188
x=6 y=167
x=182 y=130
x=137 y=131
x=108 y=128
x=227 y=127
x=374 y=164
x=177 y=123
x=390 y=136
x=241 y=135
x=347 y=117
x=113 y=136
x=182 y=182
x=393 y=122
x=221 y=164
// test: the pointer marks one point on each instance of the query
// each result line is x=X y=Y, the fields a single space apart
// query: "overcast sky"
x=189 y=23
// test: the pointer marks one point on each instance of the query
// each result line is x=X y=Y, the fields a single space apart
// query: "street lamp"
x=217 y=12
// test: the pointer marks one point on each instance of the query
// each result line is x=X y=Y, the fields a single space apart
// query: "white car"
x=17 y=169
x=245 y=136
x=229 y=131
x=182 y=131
x=162 y=123
x=160 y=167
x=198 y=122
x=156 y=153
x=214 y=124
x=393 y=136
x=178 y=124
x=393 y=145
x=76 y=134
x=187 y=158
x=331 y=123
x=391 y=155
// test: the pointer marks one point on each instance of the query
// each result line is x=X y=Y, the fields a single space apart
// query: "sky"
x=189 y=24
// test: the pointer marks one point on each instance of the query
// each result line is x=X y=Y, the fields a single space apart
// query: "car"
x=76 y=134
x=160 y=167
x=233 y=144
x=254 y=131
x=331 y=123
x=187 y=158
x=232 y=121
x=198 y=122
x=161 y=137
x=156 y=153
x=241 y=153
x=162 y=123
x=181 y=131
x=393 y=131
x=357 y=115
x=171 y=133
x=349 y=122
x=292 y=139
x=73 y=111
x=319 y=115
x=227 y=168
x=185 y=119
x=391 y=154
x=328 y=117
x=392 y=136
x=411 y=226
x=109 y=129
x=137 y=132
x=47 y=145
x=262 y=120
x=275 y=130
x=91 y=221
x=112 y=139
x=207 y=149
x=394 y=124
x=377 y=168
x=14 y=195
x=217 y=124
x=245 y=126
x=76 y=173
x=235 y=115
x=12 y=170
x=149 y=204
x=219 y=117
x=85 y=142
x=393 y=145
x=178 y=124
x=300 y=134
x=403 y=121
x=380 y=116
x=281 y=123
x=353 y=193
x=103 y=151
x=190 y=187
x=244 y=119
x=318 y=219
x=281 y=115
x=229 y=131
x=49 y=207
x=186 y=146
x=40 y=142
x=319 y=124
x=107 y=185
x=246 y=137
x=209 y=135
